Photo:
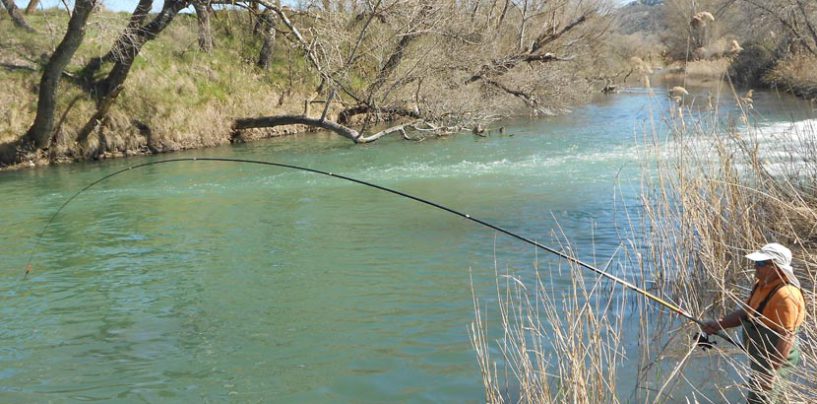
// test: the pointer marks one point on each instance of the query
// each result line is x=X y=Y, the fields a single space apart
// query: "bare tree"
x=560 y=24
x=39 y=135
x=124 y=53
x=524 y=48
x=15 y=15
x=32 y=6
x=203 y=11
x=266 y=27
x=428 y=53
x=796 y=17
x=423 y=15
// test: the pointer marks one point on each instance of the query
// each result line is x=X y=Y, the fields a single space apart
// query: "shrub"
x=751 y=65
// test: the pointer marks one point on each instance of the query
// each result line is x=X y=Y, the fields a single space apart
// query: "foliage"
x=750 y=66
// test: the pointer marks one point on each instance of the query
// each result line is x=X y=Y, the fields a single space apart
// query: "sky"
x=129 y=5
x=115 y=5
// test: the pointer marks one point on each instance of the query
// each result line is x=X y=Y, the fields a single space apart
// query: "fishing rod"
x=672 y=307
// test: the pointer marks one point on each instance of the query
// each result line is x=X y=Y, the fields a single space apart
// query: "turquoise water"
x=223 y=282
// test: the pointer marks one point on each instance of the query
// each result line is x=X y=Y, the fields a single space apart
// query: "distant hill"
x=641 y=16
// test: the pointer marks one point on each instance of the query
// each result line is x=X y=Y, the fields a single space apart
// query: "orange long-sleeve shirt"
x=786 y=309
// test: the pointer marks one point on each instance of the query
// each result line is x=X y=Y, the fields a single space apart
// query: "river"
x=206 y=281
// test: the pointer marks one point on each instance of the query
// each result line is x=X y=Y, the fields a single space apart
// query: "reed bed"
x=711 y=193
x=556 y=346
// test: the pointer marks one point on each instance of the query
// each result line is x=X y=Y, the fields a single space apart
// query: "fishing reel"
x=703 y=341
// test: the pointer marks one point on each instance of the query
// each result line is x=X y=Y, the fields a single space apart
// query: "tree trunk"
x=397 y=54
x=522 y=26
x=267 y=27
x=32 y=6
x=137 y=19
x=205 y=33
x=128 y=47
x=40 y=132
x=14 y=12
x=131 y=45
x=502 y=15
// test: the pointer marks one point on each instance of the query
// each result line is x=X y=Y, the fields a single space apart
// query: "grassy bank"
x=796 y=74
x=443 y=63
x=176 y=97
x=792 y=74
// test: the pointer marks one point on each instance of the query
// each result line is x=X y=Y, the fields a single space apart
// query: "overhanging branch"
x=281 y=120
x=501 y=66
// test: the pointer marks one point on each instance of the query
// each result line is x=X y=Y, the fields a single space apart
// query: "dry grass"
x=14 y=120
x=698 y=69
x=556 y=346
x=185 y=98
x=796 y=74
x=722 y=193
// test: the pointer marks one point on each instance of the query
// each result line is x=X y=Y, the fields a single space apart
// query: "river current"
x=206 y=281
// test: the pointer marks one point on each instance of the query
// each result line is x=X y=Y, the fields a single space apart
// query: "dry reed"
x=556 y=345
x=711 y=194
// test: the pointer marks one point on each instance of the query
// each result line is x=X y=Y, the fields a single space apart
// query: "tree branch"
x=349 y=133
x=346 y=115
x=281 y=120
x=306 y=47
x=499 y=67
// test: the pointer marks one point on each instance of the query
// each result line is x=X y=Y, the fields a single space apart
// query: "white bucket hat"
x=781 y=256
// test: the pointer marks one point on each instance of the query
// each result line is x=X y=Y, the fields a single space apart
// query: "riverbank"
x=797 y=75
x=345 y=67
x=176 y=98
x=794 y=75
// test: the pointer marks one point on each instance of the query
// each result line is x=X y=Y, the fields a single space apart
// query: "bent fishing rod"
x=672 y=307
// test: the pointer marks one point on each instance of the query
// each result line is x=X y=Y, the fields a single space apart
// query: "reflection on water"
x=209 y=281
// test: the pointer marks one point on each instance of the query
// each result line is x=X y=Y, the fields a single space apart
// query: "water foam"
x=528 y=166
x=793 y=130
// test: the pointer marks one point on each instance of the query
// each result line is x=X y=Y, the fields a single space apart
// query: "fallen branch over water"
x=345 y=131
x=281 y=120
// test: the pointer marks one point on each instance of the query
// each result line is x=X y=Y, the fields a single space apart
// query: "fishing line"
x=672 y=307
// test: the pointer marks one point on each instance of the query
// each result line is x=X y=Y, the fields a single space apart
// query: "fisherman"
x=770 y=319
